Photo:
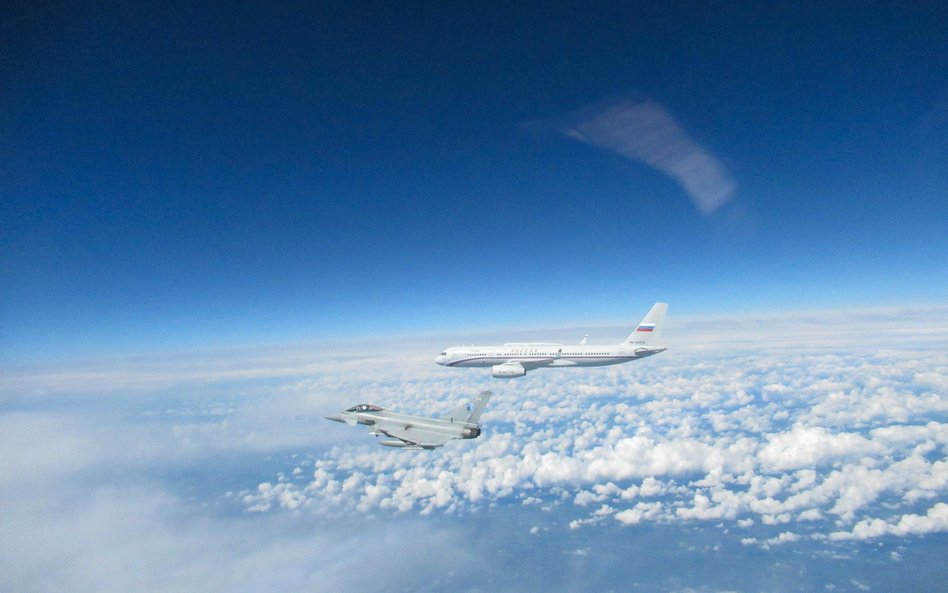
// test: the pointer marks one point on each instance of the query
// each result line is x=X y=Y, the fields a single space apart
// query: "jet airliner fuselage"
x=515 y=359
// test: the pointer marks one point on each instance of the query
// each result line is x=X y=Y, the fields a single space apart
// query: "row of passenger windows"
x=494 y=355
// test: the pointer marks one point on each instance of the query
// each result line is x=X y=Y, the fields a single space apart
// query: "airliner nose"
x=440 y=359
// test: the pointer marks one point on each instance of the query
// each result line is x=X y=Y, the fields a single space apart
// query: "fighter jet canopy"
x=364 y=408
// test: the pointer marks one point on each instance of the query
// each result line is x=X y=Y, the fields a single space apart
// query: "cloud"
x=807 y=447
x=644 y=130
x=934 y=520
x=116 y=500
x=386 y=362
x=767 y=431
x=683 y=442
x=641 y=511
x=839 y=441
x=142 y=537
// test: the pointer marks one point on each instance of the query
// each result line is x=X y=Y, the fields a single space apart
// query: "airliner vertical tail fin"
x=649 y=330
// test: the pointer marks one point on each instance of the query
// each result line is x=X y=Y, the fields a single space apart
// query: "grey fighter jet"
x=417 y=432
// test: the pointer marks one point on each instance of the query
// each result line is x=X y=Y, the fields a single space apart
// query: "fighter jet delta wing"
x=417 y=432
x=409 y=437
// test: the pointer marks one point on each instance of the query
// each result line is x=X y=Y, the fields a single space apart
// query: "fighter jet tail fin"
x=479 y=403
x=460 y=413
x=469 y=412
x=649 y=330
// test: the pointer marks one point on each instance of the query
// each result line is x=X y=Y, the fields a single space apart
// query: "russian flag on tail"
x=645 y=327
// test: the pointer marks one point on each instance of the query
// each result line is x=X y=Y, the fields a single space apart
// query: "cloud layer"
x=217 y=472
x=813 y=445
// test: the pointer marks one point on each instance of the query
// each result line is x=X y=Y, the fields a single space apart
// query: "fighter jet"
x=515 y=359
x=417 y=432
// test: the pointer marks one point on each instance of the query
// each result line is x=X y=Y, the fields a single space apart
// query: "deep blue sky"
x=177 y=177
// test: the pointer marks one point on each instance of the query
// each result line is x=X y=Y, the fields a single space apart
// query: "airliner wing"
x=415 y=436
x=533 y=363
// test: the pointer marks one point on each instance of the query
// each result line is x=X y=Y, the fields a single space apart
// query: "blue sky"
x=197 y=202
x=177 y=177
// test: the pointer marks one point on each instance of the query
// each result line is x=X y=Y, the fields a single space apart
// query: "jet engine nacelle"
x=507 y=371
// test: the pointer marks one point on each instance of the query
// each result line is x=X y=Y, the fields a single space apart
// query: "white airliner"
x=514 y=360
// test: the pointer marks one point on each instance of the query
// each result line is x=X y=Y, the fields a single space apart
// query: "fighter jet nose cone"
x=335 y=418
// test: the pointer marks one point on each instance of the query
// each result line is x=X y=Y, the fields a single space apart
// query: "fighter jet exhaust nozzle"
x=472 y=432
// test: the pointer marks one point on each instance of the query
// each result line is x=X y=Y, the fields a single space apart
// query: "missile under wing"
x=417 y=432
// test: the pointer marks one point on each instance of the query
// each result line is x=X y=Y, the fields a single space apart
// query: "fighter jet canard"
x=417 y=432
x=515 y=359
